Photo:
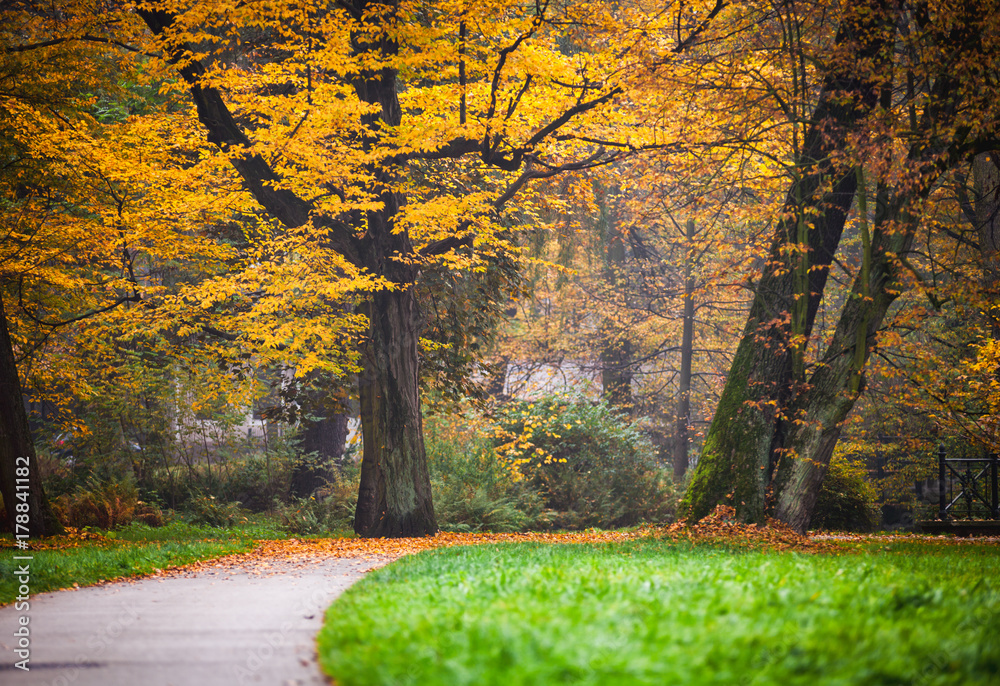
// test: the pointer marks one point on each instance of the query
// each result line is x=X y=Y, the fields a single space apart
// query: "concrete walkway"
x=221 y=625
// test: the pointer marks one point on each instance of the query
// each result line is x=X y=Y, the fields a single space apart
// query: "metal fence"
x=967 y=487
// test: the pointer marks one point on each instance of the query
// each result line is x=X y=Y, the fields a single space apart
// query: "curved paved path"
x=217 y=626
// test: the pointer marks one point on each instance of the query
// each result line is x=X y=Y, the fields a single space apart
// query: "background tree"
x=79 y=214
x=804 y=423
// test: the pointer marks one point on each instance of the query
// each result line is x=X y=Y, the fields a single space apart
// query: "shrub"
x=330 y=510
x=591 y=466
x=846 y=501
x=255 y=480
x=106 y=505
x=473 y=488
x=208 y=510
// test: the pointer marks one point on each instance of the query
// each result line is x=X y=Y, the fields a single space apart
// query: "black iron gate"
x=967 y=487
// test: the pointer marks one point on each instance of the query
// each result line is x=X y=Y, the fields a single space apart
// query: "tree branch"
x=223 y=131
x=72 y=320
x=561 y=121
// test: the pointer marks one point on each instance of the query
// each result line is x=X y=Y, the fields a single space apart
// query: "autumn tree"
x=635 y=294
x=80 y=213
x=772 y=411
x=46 y=62
x=355 y=97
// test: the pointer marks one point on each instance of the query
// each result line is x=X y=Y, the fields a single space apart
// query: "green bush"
x=105 y=505
x=846 y=501
x=207 y=510
x=253 y=479
x=330 y=510
x=592 y=467
x=473 y=489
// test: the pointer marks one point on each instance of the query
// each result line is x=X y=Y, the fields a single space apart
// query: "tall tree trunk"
x=738 y=456
x=25 y=505
x=986 y=182
x=682 y=440
x=394 y=497
x=838 y=380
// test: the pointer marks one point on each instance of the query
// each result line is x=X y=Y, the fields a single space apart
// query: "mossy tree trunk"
x=838 y=379
x=740 y=450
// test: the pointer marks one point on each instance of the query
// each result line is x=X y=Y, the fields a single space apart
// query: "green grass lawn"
x=132 y=551
x=652 y=612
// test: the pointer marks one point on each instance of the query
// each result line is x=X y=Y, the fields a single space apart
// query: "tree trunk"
x=616 y=375
x=26 y=507
x=986 y=182
x=323 y=438
x=372 y=480
x=394 y=498
x=737 y=459
x=739 y=454
x=682 y=438
x=838 y=379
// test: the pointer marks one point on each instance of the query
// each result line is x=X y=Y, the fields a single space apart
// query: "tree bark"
x=616 y=374
x=838 y=380
x=372 y=478
x=986 y=184
x=25 y=505
x=682 y=438
x=739 y=454
x=394 y=497
x=323 y=437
